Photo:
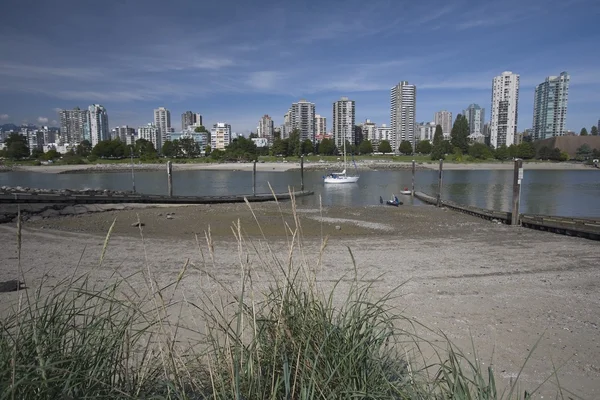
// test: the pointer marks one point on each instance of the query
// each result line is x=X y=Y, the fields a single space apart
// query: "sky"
x=234 y=61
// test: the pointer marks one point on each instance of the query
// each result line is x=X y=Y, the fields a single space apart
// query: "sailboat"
x=341 y=177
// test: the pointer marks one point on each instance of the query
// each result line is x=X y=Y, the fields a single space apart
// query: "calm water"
x=566 y=193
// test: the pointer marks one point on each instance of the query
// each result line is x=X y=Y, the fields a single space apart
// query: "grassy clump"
x=281 y=337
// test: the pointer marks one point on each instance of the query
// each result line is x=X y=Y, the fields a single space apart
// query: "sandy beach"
x=286 y=166
x=503 y=286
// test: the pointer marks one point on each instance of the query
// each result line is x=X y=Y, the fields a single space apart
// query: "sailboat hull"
x=340 y=179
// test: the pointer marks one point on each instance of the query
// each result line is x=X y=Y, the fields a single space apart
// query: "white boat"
x=341 y=177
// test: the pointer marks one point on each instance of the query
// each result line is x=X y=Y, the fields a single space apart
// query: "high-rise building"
x=162 y=121
x=152 y=134
x=266 y=128
x=74 y=126
x=382 y=132
x=369 y=130
x=220 y=136
x=475 y=116
x=402 y=113
x=302 y=117
x=320 y=125
x=98 y=124
x=505 y=109
x=343 y=122
x=286 y=128
x=444 y=119
x=188 y=119
x=123 y=133
x=426 y=131
x=550 y=107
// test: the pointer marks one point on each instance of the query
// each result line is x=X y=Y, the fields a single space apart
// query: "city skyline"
x=132 y=72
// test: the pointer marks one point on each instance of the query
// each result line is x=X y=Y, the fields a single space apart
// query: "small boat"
x=394 y=202
x=341 y=177
x=406 y=191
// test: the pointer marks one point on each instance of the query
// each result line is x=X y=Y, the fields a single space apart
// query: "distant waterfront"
x=566 y=192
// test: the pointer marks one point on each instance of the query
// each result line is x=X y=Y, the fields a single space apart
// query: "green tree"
x=16 y=147
x=168 y=149
x=51 y=155
x=583 y=152
x=555 y=154
x=145 y=149
x=583 y=132
x=37 y=153
x=84 y=148
x=437 y=153
x=191 y=148
x=447 y=147
x=501 y=153
x=423 y=147
x=365 y=147
x=327 y=147
x=241 y=149
x=438 y=136
x=459 y=136
x=294 y=145
x=564 y=156
x=457 y=154
x=279 y=147
x=526 y=151
x=594 y=131
x=544 y=153
x=307 y=146
x=207 y=150
x=480 y=151
x=512 y=151
x=405 y=147
x=384 y=147
x=200 y=129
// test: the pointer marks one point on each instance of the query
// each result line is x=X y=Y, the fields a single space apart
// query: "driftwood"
x=11 y=286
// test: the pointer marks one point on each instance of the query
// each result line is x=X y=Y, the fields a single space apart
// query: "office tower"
x=190 y=119
x=302 y=118
x=402 y=113
x=343 y=122
x=266 y=128
x=550 y=107
x=475 y=116
x=98 y=124
x=74 y=127
x=444 y=119
x=152 y=134
x=505 y=106
x=220 y=136
x=162 y=121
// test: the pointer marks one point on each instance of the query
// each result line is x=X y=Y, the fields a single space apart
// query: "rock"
x=50 y=213
x=169 y=216
x=337 y=227
x=160 y=214
x=35 y=218
x=138 y=224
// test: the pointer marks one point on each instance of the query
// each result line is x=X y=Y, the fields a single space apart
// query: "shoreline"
x=294 y=166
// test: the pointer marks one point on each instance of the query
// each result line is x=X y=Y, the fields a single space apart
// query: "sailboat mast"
x=345 y=135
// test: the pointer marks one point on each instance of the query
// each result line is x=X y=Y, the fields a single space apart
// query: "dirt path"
x=503 y=286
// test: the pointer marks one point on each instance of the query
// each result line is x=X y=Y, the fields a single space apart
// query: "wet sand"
x=503 y=286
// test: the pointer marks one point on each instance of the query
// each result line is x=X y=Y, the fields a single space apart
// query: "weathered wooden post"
x=439 y=196
x=517 y=179
x=413 y=178
x=302 y=173
x=170 y=177
x=254 y=179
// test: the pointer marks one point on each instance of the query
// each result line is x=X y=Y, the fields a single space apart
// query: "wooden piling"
x=516 y=198
x=412 y=193
x=439 y=196
x=170 y=177
x=254 y=179
x=302 y=173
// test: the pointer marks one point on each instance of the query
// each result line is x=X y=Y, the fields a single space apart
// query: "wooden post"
x=254 y=179
x=516 y=197
x=439 y=196
x=302 y=173
x=170 y=177
x=413 y=178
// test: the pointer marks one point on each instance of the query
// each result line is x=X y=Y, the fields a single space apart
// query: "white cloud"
x=57 y=110
x=4 y=116
x=54 y=122
x=42 y=120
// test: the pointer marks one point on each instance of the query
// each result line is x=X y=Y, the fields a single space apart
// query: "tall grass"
x=277 y=334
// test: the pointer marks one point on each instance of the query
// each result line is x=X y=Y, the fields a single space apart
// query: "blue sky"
x=234 y=61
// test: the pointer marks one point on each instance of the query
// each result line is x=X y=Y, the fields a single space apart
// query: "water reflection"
x=568 y=193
